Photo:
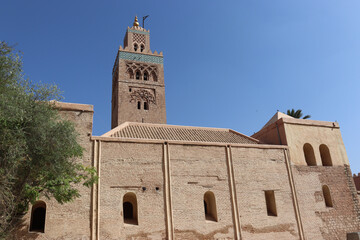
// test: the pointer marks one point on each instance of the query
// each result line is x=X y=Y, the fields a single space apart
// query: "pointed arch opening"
x=38 y=215
x=146 y=76
x=210 y=206
x=142 y=47
x=130 y=209
x=154 y=77
x=309 y=154
x=136 y=47
x=138 y=75
x=327 y=196
x=130 y=73
x=325 y=155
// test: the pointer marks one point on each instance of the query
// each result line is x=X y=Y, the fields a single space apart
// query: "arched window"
x=327 y=196
x=146 y=106
x=142 y=47
x=130 y=73
x=139 y=105
x=146 y=76
x=135 y=47
x=210 y=206
x=309 y=155
x=138 y=75
x=38 y=214
x=325 y=155
x=154 y=77
x=130 y=209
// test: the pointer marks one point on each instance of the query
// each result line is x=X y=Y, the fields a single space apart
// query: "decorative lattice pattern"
x=137 y=31
x=141 y=57
x=139 y=38
x=144 y=95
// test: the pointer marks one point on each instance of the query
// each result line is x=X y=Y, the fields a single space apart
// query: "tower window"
x=270 y=203
x=210 y=206
x=325 y=155
x=130 y=209
x=154 y=77
x=135 y=47
x=146 y=106
x=142 y=47
x=327 y=196
x=139 y=105
x=129 y=89
x=146 y=76
x=137 y=75
x=131 y=74
x=38 y=214
x=309 y=155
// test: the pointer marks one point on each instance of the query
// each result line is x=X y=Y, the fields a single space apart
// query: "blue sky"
x=229 y=64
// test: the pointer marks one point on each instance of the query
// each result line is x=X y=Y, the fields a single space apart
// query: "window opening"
x=38 y=215
x=309 y=155
x=131 y=74
x=139 y=105
x=137 y=75
x=142 y=47
x=325 y=155
x=270 y=203
x=327 y=196
x=210 y=206
x=135 y=47
x=146 y=106
x=146 y=76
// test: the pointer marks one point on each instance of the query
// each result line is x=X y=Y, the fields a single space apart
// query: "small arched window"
x=146 y=76
x=146 y=106
x=135 y=47
x=131 y=74
x=38 y=215
x=325 y=155
x=309 y=155
x=327 y=196
x=130 y=209
x=138 y=75
x=142 y=47
x=210 y=206
x=154 y=77
x=139 y=105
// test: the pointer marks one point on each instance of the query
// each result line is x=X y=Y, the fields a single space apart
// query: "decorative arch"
x=38 y=216
x=327 y=196
x=325 y=155
x=130 y=73
x=210 y=206
x=130 y=212
x=309 y=154
x=154 y=76
x=146 y=76
x=138 y=75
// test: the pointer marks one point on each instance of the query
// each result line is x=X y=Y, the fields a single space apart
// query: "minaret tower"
x=138 y=89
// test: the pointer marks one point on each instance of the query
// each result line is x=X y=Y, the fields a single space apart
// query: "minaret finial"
x=136 y=23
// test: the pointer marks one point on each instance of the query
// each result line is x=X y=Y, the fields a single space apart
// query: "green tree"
x=297 y=114
x=38 y=149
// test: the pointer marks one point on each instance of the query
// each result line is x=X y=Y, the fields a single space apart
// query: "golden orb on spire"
x=136 y=23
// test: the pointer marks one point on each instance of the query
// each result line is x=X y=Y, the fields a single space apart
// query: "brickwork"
x=321 y=222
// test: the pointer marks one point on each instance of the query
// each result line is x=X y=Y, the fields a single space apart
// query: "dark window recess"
x=146 y=106
x=139 y=105
x=137 y=75
x=128 y=211
x=270 y=203
x=142 y=48
x=146 y=76
x=136 y=47
x=129 y=89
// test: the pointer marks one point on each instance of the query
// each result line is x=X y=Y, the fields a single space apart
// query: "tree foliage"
x=38 y=149
x=297 y=114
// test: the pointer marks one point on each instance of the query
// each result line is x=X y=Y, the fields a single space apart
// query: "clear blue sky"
x=228 y=64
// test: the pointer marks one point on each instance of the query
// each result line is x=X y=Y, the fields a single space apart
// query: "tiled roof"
x=178 y=133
